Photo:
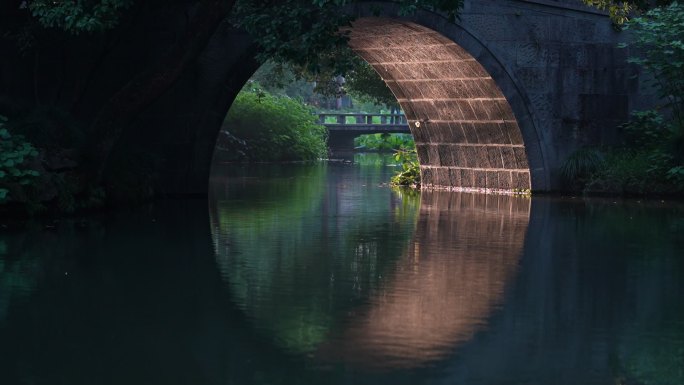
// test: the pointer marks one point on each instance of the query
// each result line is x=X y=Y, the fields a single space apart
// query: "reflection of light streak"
x=465 y=250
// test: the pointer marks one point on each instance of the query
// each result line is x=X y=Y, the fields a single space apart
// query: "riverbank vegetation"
x=118 y=154
x=384 y=142
x=269 y=128
x=650 y=158
x=16 y=154
x=410 y=169
x=405 y=154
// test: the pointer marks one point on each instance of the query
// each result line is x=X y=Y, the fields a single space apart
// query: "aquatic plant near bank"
x=649 y=161
x=410 y=169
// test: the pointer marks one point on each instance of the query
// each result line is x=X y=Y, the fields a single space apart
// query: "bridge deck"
x=365 y=123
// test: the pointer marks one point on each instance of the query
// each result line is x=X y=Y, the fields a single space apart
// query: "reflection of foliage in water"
x=28 y=255
x=17 y=277
x=649 y=237
x=296 y=254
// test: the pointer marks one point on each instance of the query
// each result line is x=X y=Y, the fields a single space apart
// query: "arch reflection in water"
x=452 y=277
x=302 y=248
x=349 y=278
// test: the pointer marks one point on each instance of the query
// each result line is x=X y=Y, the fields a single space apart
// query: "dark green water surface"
x=321 y=274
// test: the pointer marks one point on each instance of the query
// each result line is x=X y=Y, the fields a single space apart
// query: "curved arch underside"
x=465 y=131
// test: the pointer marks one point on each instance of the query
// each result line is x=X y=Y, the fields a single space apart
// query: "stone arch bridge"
x=496 y=100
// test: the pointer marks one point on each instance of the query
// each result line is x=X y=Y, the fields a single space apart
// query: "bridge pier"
x=341 y=142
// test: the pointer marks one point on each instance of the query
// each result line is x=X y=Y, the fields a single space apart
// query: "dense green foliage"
x=404 y=152
x=273 y=128
x=76 y=16
x=580 y=166
x=410 y=173
x=15 y=152
x=620 y=10
x=281 y=79
x=384 y=142
x=651 y=159
x=648 y=162
x=306 y=32
x=366 y=84
x=659 y=37
x=367 y=89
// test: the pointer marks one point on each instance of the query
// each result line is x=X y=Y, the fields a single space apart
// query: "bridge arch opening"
x=466 y=132
x=472 y=122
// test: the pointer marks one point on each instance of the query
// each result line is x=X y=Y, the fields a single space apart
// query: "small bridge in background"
x=344 y=127
x=365 y=123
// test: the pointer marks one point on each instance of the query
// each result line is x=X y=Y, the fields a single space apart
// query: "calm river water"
x=322 y=274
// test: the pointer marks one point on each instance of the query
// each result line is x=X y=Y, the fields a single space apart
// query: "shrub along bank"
x=262 y=127
x=384 y=142
x=651 y=158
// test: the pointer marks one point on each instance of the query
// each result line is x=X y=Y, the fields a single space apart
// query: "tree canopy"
x=620 y=11
x=77 y=16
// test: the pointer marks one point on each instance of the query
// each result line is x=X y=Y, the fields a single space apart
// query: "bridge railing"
x=365 y=119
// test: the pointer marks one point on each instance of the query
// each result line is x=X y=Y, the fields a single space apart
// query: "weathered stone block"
x=480 y=178
x=467 y=177
x=419 y=135
x=504 y=179
x=467 y=112
x=457 y=132
x=396 y=89
x=520 y=157
x=482 y=157
x=505 y=110
x=530 y=54
x=492 y=180
x=495 y=158
x=455 y=177
x=445 y=155
x=426 y=176
x=470 y=133
x=514 y=134
x=433 y=155
x=443 y=178
x=455 y=89
x=508 y=156
x=535 y=79
x=521 y=180
x=423 y=155
x=459 y=157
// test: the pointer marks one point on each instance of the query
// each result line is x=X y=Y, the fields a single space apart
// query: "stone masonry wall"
x=553 y=70
x=465 y=131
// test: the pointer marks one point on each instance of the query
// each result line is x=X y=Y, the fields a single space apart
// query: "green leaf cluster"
x=76 y=16
x=385 y=142
x=659 y=37
x=275 y=128
x=14 y=153
x=649 y=161
x=361 y=82
x=652 y=158
x=366 y=84
x=620 y=11
x=307 y=33
x=410 y=169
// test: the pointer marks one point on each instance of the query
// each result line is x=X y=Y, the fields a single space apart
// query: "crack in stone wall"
x=465 y=131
